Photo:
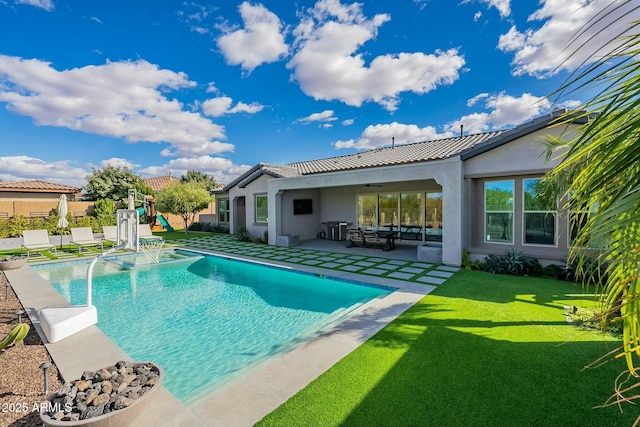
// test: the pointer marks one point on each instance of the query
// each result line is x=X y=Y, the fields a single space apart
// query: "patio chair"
x=144 y=232
x=371 y=239
x=355 y=238
x=37 y=241
x=83 y=236
x=110 y=234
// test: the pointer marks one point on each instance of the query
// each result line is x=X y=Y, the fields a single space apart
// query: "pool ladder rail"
x=59 y=323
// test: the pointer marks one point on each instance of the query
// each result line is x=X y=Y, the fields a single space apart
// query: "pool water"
x=206 y=319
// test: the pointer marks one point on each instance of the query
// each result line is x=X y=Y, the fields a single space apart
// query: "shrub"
x=511 y=262
x=467 y=264
x=243 y=234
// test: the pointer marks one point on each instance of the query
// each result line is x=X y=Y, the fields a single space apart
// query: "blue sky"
x=219 y=86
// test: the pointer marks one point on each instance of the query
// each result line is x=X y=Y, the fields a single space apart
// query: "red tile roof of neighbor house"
x=36 y=186
x=160 y=182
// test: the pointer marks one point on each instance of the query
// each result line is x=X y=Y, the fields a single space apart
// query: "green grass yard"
x=481 y=350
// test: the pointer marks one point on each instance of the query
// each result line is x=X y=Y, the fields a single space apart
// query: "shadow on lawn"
x=449 y=376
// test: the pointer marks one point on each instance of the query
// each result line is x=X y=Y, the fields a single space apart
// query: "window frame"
x=226 y=211
x=486 y=212
x=555 y=214
x=255 y=208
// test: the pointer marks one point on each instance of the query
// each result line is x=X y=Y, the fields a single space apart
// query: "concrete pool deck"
x=247 y=399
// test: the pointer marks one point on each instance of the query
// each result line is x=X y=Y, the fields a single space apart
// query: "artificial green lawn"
x=481 y=350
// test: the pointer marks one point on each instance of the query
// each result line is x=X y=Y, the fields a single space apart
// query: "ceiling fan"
x=373 y=185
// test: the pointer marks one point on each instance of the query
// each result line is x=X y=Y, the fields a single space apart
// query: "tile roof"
x=160 y=182
x=399 y=154
x=36 y=186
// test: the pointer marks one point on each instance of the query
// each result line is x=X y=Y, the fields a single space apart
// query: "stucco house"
x=36 y=198
x=473 y=192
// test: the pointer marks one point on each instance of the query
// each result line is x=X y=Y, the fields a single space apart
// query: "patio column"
x=275 y=214
x=451 y=181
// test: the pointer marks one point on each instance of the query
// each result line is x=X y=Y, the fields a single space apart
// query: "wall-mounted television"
x=302 y=207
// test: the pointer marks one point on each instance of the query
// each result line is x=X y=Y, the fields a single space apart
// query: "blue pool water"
x=205 y=319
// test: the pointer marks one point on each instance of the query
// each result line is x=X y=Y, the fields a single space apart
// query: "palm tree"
x=601 y=176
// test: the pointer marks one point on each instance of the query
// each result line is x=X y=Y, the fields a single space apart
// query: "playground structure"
x=61 y=322
x=147 y=212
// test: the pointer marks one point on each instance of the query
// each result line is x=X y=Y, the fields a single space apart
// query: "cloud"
x=327 y=65
x=477 y=16
x=43 y=4
x=325 y=116
x=506 y=110
x=23 y=167
x=220 y=106
x=380 y=135
x=260 y=41
x=195 y=16
x=119 y=99
x=223 y=170
x=118 y=162
x=545 y=51
x=348 y=122
x=471 y=102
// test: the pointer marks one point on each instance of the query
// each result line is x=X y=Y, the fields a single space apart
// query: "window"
x=223 y=210
x=388 y=211
x=367 y=210
x=262 y=208
x=411 y=216
x=498 y=208
x=434 y=217
x=539 y=214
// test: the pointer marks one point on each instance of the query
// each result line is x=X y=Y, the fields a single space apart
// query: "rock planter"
x=12 y=262
x=112 y=396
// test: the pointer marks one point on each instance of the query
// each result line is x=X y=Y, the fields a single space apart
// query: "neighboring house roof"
x=160 y=182
x=36 y=186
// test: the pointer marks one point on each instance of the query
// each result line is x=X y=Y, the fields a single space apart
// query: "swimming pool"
x=207 y=319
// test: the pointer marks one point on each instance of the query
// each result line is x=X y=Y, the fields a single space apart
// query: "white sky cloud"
x=118 y=162
x=260 y=41
x=119 y=99
x=327 y=64
x=380 y=135
x=43 y=4
x=223 y=170
x=505 y=110
x=221 y=105
x=325 y=116
x=547 y=49
x=477 y=16
x=13 y=168
x=348 y=122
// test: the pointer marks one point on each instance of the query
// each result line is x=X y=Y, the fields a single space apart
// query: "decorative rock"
x=83 y=385
x=122 y=402
x=105 y=391
x=107 y=387
x=101 y=400
x=91 y=394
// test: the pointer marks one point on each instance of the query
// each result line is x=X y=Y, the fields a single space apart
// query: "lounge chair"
x=371 y=239
x=37 y=241
x=355 y=238
x=110 y=234
x=83 y=236
x=144 y=232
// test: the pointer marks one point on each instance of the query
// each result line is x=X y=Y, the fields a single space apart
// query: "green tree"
x=600 y=174
x=112 y=183
x=206 y=180
x=184 y=199
x=104 y=210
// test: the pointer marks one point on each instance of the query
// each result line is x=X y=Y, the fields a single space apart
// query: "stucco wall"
x=258 y=186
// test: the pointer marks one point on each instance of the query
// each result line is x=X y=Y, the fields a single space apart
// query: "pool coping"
x=245 y=400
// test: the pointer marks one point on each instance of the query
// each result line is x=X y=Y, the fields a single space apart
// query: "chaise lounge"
x=36 y=241
x=83 y=236
x=110 y=234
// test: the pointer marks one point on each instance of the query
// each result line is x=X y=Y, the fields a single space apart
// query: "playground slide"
x=164 y=222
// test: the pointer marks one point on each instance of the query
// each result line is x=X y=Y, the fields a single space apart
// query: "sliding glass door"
x=416 y=215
